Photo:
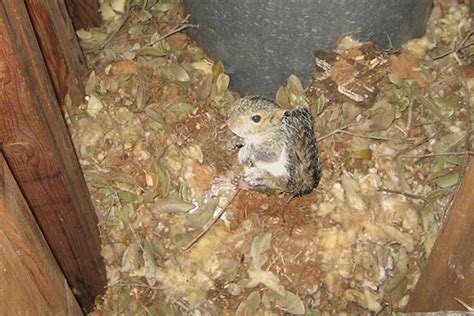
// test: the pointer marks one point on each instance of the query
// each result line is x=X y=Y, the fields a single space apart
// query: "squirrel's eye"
x=256 y=118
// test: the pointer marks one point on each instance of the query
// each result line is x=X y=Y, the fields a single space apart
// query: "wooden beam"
x=60 y=47
x=449 y=273
x=31 y=282
x=84 y=13
x=39 y=151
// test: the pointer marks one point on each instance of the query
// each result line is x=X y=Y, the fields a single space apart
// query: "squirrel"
x=279 y=150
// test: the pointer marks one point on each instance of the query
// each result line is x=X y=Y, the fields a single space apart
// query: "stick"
x=211 y=222
x=457 y=47
x=438 y=154
x=177 y=28
x=339 y=130
x=113 y=34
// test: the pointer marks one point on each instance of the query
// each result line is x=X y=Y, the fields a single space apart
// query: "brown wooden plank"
x=449 y=273
x=84 y=13
x=31 y=282
x=60 y=47
x=39 y=151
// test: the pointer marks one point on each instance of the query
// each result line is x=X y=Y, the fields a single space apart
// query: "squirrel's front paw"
x=235 y=142
x=242 y=183
x=244 y=156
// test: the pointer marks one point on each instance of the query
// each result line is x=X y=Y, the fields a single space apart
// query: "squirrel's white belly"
x=275 y=168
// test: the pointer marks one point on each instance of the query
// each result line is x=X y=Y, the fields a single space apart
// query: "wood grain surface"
x=84 y=13
x=449 y=273
x=39 y=151
x=31 y=282
x=60 y=47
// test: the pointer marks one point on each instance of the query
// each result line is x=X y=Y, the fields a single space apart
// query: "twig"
x=467 y=108
x=437 y=154
x=368 y=136
x=211 y=222
x=467 y=307
x=133 y=285
x=336 y=131
x=177 y=28
x=410 y=114
x=461 y=44
x=409 y=195
x=427 y=103
x=136 y=237
x=113 y=34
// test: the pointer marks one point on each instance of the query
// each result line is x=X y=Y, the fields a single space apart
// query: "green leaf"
x=130 y=259
x=290 y=303
x=259 y=245
x=123 y=300
x=249 y=306
x=181 y=108
x=448 y=180
x=320 y=104
x=163 y=6
x=128 y=196
x=90 y=83
x=149 y=263
x=395 y=79
x=83 y=34
x=163 y=180
x=135 y=30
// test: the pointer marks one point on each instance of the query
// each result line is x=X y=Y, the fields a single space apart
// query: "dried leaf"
x=179 y=73
x=108 y=14
x=365 y=154
x=349 y=112
x=151 y=51
x=141 y=95
x=144 y=16
x=201 y=216
x=282 y=97
x=222 y=83
x=154 y=115
x=295 y=86
x=98 y=34
x=249 y=306
x=266 y=278
x=149 y=263
x=181 y=108
x=217 y=69
x=171 y=206
x=119 y=5
x=130 y=258
x=94 y=106
x=83 y=34
x=205 y=89
x=383 y=117
x=124 y=67
x=203 y=65
x=90 y=83
x=259 y=245
x=290 y=303
x=164 y=180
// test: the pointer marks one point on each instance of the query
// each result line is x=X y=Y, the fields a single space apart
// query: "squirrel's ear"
x=277 y=115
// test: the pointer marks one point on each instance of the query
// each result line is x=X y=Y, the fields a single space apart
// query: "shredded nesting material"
x=153 y=146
